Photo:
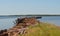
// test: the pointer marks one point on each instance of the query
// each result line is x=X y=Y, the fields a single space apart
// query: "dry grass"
x=42 y=29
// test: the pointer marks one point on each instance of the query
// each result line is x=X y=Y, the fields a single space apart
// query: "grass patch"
x=42 y=29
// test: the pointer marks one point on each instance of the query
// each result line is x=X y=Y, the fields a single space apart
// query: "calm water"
x=51 y=19
x=7 y=22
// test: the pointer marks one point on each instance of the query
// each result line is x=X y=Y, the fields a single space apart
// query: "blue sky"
x=21 y=7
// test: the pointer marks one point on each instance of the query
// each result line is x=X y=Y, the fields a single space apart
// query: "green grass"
x=43 y=29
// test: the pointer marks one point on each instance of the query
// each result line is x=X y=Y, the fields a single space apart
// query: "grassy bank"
x=42 y=29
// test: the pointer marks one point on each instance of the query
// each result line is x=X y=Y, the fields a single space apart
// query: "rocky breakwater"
x=20 y=26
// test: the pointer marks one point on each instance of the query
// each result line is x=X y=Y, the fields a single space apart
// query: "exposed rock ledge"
x=20 y=27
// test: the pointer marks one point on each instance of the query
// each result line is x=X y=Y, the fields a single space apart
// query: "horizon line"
x=31 y=15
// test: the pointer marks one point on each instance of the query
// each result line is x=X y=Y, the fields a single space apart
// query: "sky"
x=23 y=7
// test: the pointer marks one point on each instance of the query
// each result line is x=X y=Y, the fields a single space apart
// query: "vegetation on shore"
x=42 y=29
x=31 y=27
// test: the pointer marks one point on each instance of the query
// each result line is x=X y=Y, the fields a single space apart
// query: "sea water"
x=8 y=22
